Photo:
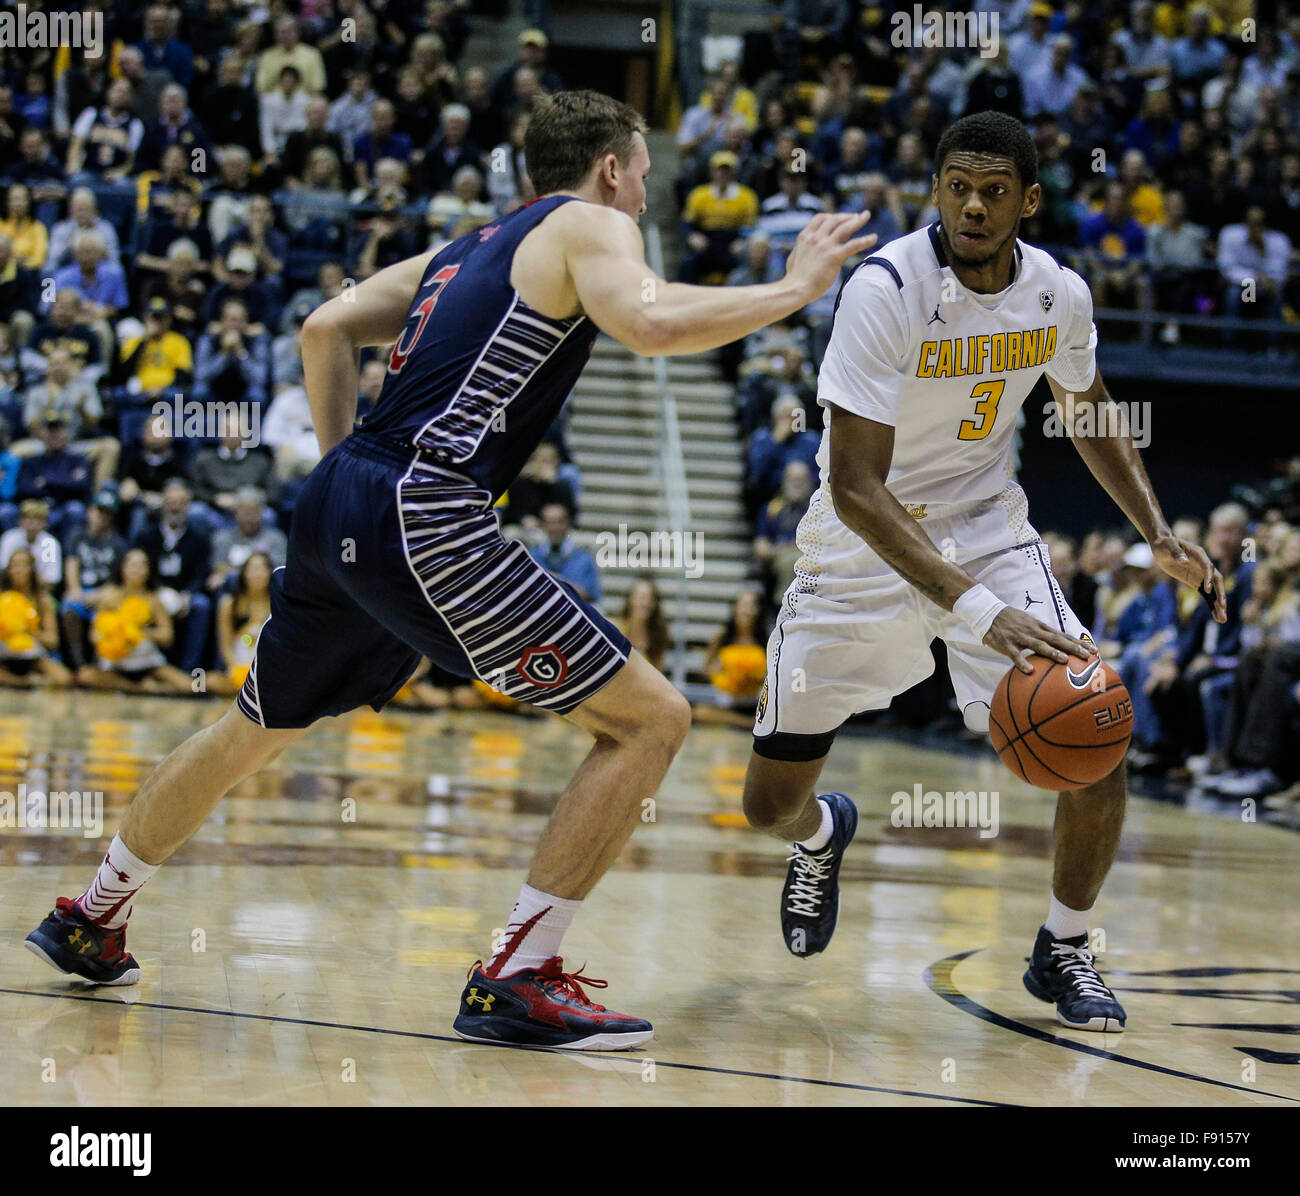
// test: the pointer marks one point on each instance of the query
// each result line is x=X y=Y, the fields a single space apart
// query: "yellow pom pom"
x=135 y=609
x=13 y=613
x=112 y=647
x=22 y=642
x=743 y=668
x=105 y=623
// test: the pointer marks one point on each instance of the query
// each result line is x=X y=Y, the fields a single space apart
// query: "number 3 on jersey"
x=411 y=334
x=988 y=395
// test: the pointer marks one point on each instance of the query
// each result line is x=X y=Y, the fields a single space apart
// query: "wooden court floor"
x=309 y=945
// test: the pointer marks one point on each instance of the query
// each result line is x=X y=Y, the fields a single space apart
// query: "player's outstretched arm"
x=1104 y=441
x=371 y=313
x=861 y=453
x=605 y=258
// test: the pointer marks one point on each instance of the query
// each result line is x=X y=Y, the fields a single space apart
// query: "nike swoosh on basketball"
x=1081 y=680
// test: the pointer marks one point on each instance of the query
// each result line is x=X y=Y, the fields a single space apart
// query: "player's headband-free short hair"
x=995 y=134
x=570 y=131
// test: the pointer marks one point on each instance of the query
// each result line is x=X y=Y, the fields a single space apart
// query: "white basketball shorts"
x=852 y=633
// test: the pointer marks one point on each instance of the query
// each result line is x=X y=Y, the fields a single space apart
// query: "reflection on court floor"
x=308 y=945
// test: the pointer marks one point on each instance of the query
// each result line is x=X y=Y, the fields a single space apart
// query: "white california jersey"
x=947 y=368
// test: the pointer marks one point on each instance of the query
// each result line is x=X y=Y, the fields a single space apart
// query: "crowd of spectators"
x=170 y=213
x=1218 y=702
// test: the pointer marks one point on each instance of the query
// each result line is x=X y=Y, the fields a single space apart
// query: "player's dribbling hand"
x=826 y=243
x=1020 y=636
x=1191 y=565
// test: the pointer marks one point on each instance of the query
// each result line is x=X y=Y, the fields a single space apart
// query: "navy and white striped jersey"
x=477 y=376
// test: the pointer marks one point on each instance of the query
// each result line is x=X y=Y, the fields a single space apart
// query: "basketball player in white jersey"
x=919 y=530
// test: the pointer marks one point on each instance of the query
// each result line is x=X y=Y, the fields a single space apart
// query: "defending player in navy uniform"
x=395 y=551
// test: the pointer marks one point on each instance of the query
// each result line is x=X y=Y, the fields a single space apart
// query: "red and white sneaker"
x=71 y=942
x=543 y=1007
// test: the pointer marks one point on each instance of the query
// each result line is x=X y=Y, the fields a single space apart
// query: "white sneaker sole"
x=131 y=976
x=1103 y=1025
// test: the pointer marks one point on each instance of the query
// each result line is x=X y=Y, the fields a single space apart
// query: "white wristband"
x=977 y=608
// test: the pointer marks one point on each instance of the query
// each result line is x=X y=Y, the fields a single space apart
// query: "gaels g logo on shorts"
x=544 y=665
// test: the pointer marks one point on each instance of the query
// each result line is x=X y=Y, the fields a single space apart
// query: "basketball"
x=1063 y=725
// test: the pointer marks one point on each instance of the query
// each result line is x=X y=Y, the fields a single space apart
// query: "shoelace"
x=1076 y=963
x=810 y=873
x=568 y=982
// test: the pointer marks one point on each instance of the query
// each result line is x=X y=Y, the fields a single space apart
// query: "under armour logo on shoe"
x=472 y=998
x=936 y=316
x=81 y=941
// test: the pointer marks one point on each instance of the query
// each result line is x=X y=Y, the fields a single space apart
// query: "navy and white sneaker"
x=810 y=901
x=71 y=942
x=1061 y=972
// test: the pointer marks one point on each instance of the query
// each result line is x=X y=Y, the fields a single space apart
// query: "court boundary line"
x=938 y=977
x=614 y=1056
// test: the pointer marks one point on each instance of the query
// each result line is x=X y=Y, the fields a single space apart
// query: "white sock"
x=533 y=934
x=1064 y=922
x=111 y=895
x=823 y=836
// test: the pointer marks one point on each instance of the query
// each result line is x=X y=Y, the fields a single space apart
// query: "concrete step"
x=629 y=365
x=596 y=464
x=632 y=425
x=702 y=489
x=633 y=446
x=688 y=393
x=614 y=507
x=634 y=520
x=724 y=539
x=701 y=589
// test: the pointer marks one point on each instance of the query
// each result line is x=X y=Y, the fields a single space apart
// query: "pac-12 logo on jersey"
x=544 y=665
x=1046 y=298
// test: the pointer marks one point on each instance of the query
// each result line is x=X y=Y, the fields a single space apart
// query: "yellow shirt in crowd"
x=711 y=210
x=157 y=364
x=31 y=241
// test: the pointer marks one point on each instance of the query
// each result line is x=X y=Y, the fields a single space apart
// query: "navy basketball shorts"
x=391 y=558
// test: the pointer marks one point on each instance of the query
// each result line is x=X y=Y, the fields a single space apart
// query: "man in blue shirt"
x=1115 y=248
x=1147 y=629
x=564 y=559
x=1197 y=57
x=100 y=283
x=60 y=477
x=380 y=142
x=162 y=52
